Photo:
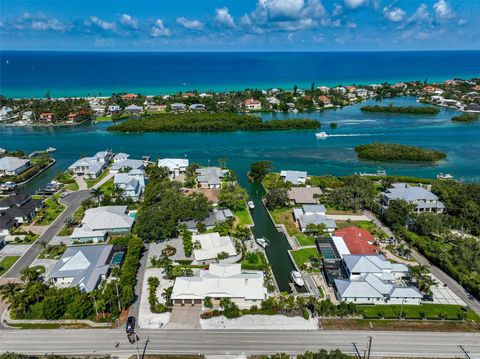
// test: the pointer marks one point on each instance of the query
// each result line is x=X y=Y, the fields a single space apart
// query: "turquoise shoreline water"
x=34 y=73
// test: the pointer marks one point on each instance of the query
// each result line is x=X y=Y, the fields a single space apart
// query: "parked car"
x=130 y=328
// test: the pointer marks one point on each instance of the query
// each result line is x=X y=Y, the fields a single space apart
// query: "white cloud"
x=443 y=11
x=223 y=18
x=462 y=22
x=129 y=21
x=353 y=4
x=421 y=15
x=189 y=24
x=352 y=25
x=394 y=14
x=337 y=9
x=159 y=30
x=50 y=24
x=290 y=37
x=105 y=25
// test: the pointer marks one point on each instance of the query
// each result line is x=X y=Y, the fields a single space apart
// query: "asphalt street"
x=72 y=201
x=235 y=342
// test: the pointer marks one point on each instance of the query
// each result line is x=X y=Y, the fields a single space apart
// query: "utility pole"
x=465 y=352
x=369 y=347
x=138 y=350
x=401 y=310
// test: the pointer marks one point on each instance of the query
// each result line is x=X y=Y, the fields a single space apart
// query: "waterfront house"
x=82 y=266
x=112 y=219
x=215 y=216
x=324 y=101
x=252 y=105
x=423 y=199
x=178 y=107
x=12 y=166
x=294 y=177
x=273 y=100
x=27 y=116
x=126 y=165
x=97 y=109
x=133 y=109
x=91 y=167
x=208 y=246
x=132 y=183
x=243 y=287
x=361 y=92
x=120 y=157
x=210 y=177
x=5 y=113
x=354 y=240
x=197 y=107
x=175 y=166
x=313 y=214
x=113 y=109
x=304 y=195
x=372 y=279
x=129 y=96
x=47 y=116
x=157 y=108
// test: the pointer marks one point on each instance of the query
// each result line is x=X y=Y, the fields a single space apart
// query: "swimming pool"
x=132 y=214
x=328 y=253
x=116 y=259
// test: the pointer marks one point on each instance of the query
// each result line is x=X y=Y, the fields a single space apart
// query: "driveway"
x=14 y=250
x=187 y=317
x=73 y=201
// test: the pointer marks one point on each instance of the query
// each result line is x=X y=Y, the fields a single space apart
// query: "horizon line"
x=239 y=51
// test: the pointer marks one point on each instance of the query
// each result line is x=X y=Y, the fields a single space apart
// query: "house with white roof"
x=12 y=166
x=133 y=109
x=372 y=279
x=210 y=177
x=127 y=165
x=294 y=177
x=313 y=214
x=82 y=266
x=423 y=199
x=252 y=105
x=243 y=287
x=175 y=166
x=120 y=157
x=178 y=107
x=208 y=246
x=132 y=183
x=215 y=216
x=91 y=167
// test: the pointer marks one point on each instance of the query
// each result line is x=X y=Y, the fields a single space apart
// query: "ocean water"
x=34 y=74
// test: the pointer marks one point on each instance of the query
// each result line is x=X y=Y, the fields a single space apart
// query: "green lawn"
x=28 y=239
x=6 y=263
x=50 y=212
x=269 y=179
x=93 y=182
x=254 y=261
x=285 y=216
x=430 y=311
x=108 y=187
x=243 y=217
x=300 y=256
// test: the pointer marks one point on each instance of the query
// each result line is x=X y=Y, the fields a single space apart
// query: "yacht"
x=251 y=205
x=321 y=135
x=262 y=242
x=445 y=176
x=297 y=278
x=51 y=149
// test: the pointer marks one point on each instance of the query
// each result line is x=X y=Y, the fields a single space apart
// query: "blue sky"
x=243 y=25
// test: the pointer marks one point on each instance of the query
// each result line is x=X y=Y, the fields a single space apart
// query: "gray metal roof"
x=409 y=193
x=8 y=163
x=85 y=264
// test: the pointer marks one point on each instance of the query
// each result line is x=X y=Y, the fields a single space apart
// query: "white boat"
x=445 y=176
x=51 y=149
x=297 y=278
x=262 y=242
x=321 y=135
x=251 y=205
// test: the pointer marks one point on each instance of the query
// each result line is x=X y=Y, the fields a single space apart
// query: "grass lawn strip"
x=6 y=263
x=284 y=216
x=243 y=217
x=50 y=212
x=93 y=182
x=429 y=311
x=300 y=256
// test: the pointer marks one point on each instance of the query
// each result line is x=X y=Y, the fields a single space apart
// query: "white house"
x=313 y=214
x=112 y=219
x=133 y=109
x=12 y=166
x=132 y=183
x=372 y=279
x=178 y=107
x=243 y=287
x=208 y=246
x=210 y=177
x=91 y=167
x=176 y=166
x=424 y=200
x=294 y=177
x=84 y=235
x=127 y=164
x=120 y=157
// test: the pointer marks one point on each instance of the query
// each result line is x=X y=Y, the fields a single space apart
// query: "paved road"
x=72 y=201
x=451 y=283
x=135 y=307
x=98 y=341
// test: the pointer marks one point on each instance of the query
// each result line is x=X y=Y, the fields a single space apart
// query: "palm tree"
x=97 y=193
x=117 y=192
x=167 y=295
x=69 y=221
x=28 y=275
x=9 y=291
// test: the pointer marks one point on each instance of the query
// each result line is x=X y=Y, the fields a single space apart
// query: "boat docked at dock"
x=262 y=242
x=297 y=278
x=251 y=205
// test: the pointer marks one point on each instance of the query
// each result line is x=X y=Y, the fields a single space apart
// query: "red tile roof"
x=130 y=95
x=358 y=240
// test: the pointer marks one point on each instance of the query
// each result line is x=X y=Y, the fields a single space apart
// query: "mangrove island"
x=203 y=122
x=396 y=152
x=411 y=110
x=466 y=117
